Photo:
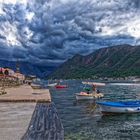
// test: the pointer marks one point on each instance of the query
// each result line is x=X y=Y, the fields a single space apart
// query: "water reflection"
x=122 y=126
x=84 y=102
x=89 y=106
x=119 y=117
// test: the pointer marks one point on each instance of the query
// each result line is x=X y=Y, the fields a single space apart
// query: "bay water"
x=82 y=120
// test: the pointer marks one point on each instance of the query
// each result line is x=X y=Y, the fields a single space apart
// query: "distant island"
x=110 y=62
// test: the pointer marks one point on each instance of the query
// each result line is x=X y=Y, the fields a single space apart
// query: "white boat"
x=94 y=83
x=85 y=96
x=36 y=86
x=51 y=85
x=136 y=80
x=119 y=107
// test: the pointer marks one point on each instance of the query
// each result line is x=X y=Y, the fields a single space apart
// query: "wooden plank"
x=45 y=124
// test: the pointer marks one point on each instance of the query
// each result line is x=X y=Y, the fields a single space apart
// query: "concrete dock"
x=25 y=93
x=15 y=119
x=28 y=114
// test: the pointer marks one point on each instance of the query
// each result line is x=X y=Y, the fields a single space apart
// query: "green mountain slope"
x=116 y=61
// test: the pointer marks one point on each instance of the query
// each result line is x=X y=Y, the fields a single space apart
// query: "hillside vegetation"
x=116 y=61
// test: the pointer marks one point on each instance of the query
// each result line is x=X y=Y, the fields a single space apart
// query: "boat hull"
x=34 y=86
x=88 y=97
x=61 y=86
x=52 y=85
x=119 y=109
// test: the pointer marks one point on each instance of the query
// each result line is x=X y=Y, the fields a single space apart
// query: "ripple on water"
x=83 y=121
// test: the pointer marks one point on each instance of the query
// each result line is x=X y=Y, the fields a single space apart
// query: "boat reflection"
x=83 y=102
x=119 y=118
x=89 y=107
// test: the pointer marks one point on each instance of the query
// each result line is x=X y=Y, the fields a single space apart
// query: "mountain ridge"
x=114 y=61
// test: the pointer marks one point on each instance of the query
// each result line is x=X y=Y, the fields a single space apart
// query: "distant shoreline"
x=129 y=78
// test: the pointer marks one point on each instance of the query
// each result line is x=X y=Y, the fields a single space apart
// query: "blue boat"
x=119 y=106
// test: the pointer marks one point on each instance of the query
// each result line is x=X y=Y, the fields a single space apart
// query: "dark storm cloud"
x=51 y=31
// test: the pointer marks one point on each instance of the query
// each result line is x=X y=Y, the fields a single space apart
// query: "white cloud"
x=59 y=29
x=10 y=33
x=8 y=1
x=134 y=28
x=13 y=2
x=29 y=16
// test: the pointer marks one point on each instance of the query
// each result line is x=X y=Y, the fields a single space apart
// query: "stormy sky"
x=48 y=32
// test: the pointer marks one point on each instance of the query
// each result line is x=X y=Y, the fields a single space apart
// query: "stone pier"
x=25 y=93
x=14 y=119
x=27 y=114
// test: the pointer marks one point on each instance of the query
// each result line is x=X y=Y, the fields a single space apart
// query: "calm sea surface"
x=83 y=121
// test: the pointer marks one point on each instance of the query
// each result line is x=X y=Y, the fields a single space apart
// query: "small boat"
x=85 y=96
x=51 y=85
x=61 y=86
x=136 y=80
x=36 y=86
x=119 y=106
x=94 y=83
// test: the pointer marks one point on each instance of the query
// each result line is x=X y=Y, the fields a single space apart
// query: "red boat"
x=61 y=86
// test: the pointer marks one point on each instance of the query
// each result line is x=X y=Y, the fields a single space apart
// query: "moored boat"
x=51 y=85
x=94 y=83
x=119 y=106
x=85 y=96
x=61 y=86
x=36 y=86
